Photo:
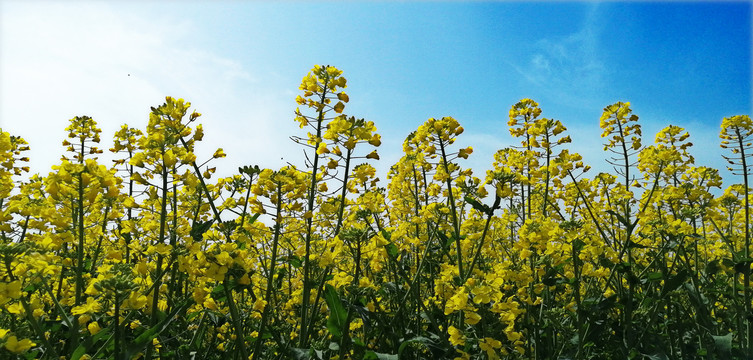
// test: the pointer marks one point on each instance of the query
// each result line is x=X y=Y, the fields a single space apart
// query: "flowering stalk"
x=321 y=82
x=739 y=129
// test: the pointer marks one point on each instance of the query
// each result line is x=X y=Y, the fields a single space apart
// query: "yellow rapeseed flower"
x=16 y=346
x=456 y=336
x=90 y=307
x=94 y=328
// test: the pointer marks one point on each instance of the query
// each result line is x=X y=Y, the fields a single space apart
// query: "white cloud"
x=568 y=68
x=103 y=60
x=540 y=62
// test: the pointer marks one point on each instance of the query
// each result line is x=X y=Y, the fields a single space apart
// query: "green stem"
x=118 y=334
x=310 y=224
x=489 y=216
x=80 y=248
x=453 y=210
x=343 y=193
x=245 y=203
x=158 y=279
x=270 y=273
x=748 y=343
x=103 y=229
x=204 y=187
x=548 y=175
x=240 y=342
x=173 y=286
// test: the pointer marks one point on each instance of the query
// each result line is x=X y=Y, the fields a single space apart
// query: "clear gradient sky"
x=240 y=64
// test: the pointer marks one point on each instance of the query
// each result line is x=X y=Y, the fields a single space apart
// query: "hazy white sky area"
x=80 y=58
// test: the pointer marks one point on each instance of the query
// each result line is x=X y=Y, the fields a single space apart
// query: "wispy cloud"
x=568 y=67
x=90 y=58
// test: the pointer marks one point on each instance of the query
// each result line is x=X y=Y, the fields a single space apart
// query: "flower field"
x=154 y=257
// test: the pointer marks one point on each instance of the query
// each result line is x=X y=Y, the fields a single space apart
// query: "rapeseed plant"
x=153 y=257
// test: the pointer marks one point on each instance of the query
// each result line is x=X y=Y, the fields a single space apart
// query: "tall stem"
x=343 y=193
x=626 y=245
x=748 y=344
x=453 y=211
x=270 y=273
x=158 y=272
x=80 y=229
x=80 y=233
x=310 y=224
x=117 y=326
x=240 y=342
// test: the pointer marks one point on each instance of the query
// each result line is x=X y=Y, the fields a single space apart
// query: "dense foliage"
x=152 y=257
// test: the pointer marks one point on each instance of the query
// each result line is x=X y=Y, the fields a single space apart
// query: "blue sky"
x=240 y=63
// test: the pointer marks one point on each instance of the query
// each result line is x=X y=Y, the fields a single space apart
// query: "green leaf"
x=655 y=276
x=477 y=205
x=674 y=282
x=31 y=355
x=79 y=352
x=635 y=245
x=61 y=312
x=218 y=293
x=446 y=242
x=198 y=335
x=371 y=355
x=657 y=356
x=578 y=244
x=418 y=339
x=743 y=266
x=723 y=343
x=337 y=320
x=552 y=277
x=302 y=354
x=253 y=218
x=359 y=343
x=199 y=228
x=90 y=342
x=712 y=267
x=295 y=261
x=138 y=344
x=619 y=217
x=392 y=250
